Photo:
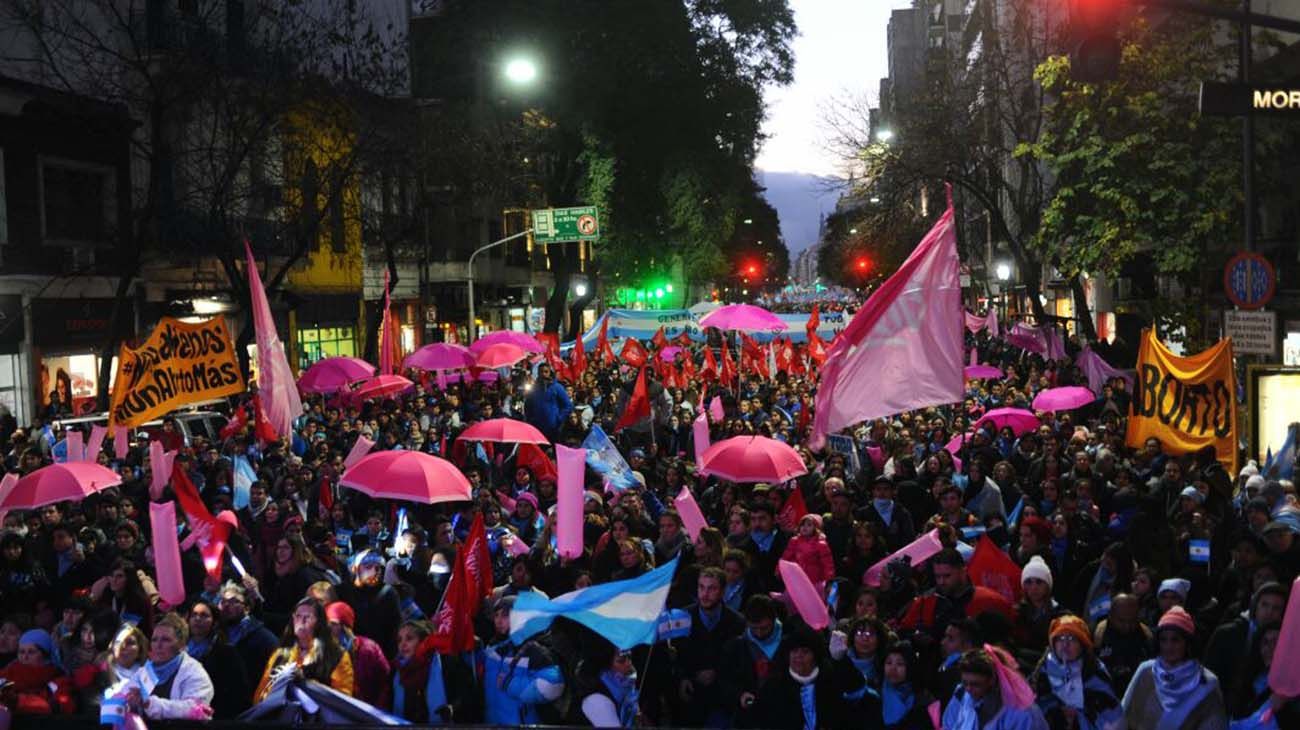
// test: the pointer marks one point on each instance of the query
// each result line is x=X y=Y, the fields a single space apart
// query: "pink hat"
x=528 y=497
x=1177 y=618
x=816 y=519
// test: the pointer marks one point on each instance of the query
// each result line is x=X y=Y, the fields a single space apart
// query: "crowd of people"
x=1152 y=585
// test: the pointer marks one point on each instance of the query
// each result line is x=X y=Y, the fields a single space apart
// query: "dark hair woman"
x=207 y=644
x=1251 y=693
x=308 y=643
x=123 y=592
x=904 y=702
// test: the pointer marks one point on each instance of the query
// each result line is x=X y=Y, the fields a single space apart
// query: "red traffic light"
x=862 y=263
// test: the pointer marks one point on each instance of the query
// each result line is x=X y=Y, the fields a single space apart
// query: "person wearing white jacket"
x=171 y=685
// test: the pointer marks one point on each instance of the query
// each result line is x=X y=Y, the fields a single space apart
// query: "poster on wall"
x=68 y=384
x=180 y=363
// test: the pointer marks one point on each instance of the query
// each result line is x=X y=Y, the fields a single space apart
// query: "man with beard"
x=246 y=634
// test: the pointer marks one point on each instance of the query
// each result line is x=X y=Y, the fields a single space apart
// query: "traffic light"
x=862 y=264
x=1096 y=52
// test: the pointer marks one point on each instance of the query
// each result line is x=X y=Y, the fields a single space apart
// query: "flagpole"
x=654 y=445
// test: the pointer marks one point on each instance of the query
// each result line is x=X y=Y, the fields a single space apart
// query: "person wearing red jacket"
x=370 y=668
x=811 y=551
x=954 y=597
x=34 y=685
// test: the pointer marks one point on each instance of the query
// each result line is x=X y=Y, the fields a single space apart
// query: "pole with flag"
x=274 y=378
x=385 y=336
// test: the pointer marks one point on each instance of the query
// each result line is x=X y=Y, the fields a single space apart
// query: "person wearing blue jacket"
x=548 y=404
x=518 y=681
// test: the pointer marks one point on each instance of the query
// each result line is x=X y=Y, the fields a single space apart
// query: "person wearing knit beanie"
x=1036 y=569
x=1070 y=625
x=1070 y=683
x=1173 y=691
x=1177 y=619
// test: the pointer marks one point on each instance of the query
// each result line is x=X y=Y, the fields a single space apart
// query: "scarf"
x=967 y=715
x=198 y=648
x=1098 y=600
x=1180 y=689
x=710 y=619
x=347 y=640
x=885 y=508
x=65 y=561
x=807 y=696
x=732 y=593
x=1066 y=679
x=865 y=665
x=769 y=645
x=622 y=689
x=763 y=539
x=236 y=633
x=950 y=660
x=162 y=673
x=897 y=700
x=399 y=689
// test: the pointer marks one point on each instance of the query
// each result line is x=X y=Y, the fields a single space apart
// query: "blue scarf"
x=1066 y=679
x=347 y=641
x=710 y=619
x=763 y=539
x=622 y=689
x=769 y=645
x=897 y=700
x=885 y=508
x=399 y=692
x=1180 y=689
x=65 y=560
x=236 y=633
x=950 y=660
x=731 y=595
x=866 y=666
x=162 y=673
x=198 y=648
x=808 y=698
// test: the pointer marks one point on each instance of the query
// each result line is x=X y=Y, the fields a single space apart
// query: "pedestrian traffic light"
x=1096 y=52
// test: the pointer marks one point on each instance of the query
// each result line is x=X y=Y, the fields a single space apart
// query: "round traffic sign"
x=587 y=225
x=1249 y=280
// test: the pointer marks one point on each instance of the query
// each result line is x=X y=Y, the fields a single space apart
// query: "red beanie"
x=341 y=612
x=1177 y=618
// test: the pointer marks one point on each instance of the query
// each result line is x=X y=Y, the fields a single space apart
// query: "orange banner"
x=180 y=363
x=1186 y=402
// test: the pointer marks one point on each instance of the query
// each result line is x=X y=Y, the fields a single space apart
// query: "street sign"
x=1248 y=280
x=1252 y=333
x=1236 y=100
x=560 y=225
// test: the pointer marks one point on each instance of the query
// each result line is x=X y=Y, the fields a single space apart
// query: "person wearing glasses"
x=1073 y=687
x=250 y=638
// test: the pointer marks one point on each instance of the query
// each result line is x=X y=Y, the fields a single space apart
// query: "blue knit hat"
x=39 y=638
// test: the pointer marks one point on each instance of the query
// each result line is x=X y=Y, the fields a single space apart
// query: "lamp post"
x=1003 y=271
x=469 y=277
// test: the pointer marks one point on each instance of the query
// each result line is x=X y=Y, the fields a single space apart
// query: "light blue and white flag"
x=675 y=623
x=1283 y=460
x=1198 y=552
x=604 y=458
x=243 y=478
x=625 y=612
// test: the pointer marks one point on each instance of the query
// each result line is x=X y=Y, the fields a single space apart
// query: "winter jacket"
x=370 y=672
x=191 y=687
x=516 y=681
x=547 y=408
x=37 y=690
x=813 y=555
x=1142 y=707
x=781 y=703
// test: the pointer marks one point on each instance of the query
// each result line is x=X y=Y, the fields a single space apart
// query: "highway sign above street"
x=1249 y=280
x=560 y=225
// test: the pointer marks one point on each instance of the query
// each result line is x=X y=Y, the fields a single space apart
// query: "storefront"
x=68 y=336
x=325 y=326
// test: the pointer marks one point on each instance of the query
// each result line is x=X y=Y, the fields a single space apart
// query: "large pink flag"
x=692 y=518
x=804 y=595
x=903 y=349
x=700 y=429
x=275 y=380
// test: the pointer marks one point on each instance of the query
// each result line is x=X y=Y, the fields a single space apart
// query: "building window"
x=78 y=202
x=317 y=343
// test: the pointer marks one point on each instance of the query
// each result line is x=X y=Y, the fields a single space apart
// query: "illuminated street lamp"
x=1002 y=270
x=884 y=135
x=521 y=70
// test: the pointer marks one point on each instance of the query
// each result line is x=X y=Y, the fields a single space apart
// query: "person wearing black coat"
x=249 y=637
x=766 y=544
x=784 y=701
x=699 y=655
x=894 y=523
x=221 y=661
x=378 y=607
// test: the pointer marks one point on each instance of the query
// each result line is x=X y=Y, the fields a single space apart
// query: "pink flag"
x=806 y=599
x=507 y=502
x=1099 y=371
x=570 y=463
x=992 y=320
x=715 y=409
x=6 y=486
x=974 y=357
x=362 y=447
x=933 y=711
x=386 y=336
x=1030 y=339
x=692 y=519
x=121 y=442
x=167 y=552
x=975 y=323
x=160 y=468
x=97 y=434
x=515 y=545
x=76 y=445
x=701 y=430
x=903 y=349
x=919 y=550
x=275 y=380
x=1284 y=676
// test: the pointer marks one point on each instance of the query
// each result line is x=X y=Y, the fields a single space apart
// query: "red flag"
x=793 y=511
x=660 y=340
x=578 y=359
x=814 y=321
x=785 y=355
x=471 y=582
x=995 y=570
x=238 y=420
x=639 y=405
x=728 y=373
x=262 y=427
x=532 y=456
x=634 y=353
x=753 y=356
x=200 y=518
x=710 y=371
x=549 y=340
x=684 y=339
x=816 y=350
x=326 y=494
x=688 y=367
x=602 y=340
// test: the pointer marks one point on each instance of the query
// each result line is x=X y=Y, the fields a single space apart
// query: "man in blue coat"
x=548 y=404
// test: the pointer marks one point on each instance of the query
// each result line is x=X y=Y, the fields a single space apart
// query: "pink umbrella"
x=413 y=476
x=486 y=376
x=743 y=317
x=976 y=372
x=70 y=481
x=1066 y=398
x=522 y=340
x=332 y=373
x=439 y=356
x=752 y=459
x=502 y=355
x=670 y=353
x=381 y=386
x=1020 y=420
x=503 y=430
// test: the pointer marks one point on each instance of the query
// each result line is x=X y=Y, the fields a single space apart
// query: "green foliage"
x=1138 y=170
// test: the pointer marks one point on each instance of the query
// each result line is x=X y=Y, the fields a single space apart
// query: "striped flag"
x=625 y=612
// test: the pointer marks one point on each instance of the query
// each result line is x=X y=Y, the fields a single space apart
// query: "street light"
x=1002 y=270
x=521 y=70
x=580 y=290
x=884 y=135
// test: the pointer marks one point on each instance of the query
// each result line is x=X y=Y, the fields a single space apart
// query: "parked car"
x=205 y=422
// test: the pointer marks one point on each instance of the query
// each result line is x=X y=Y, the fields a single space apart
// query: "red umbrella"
x=332 y=373
x=752 y=459
x=381 y=386
x=413 y=476
x=71 y=481
x=503 y=430
x=1020 y=420
x=502 y=355
x=1066 y=398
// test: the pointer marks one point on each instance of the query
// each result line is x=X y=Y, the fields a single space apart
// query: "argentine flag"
x=626 y=612
x=243 y=478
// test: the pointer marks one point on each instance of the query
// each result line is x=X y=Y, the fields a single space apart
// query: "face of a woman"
x=304 y=623
x=272 y=512
x=117 y=581
x=895 y=669
x=619 y=530
x=407 y=642
x=9 y=635
x=164 y=646
x=127 y=652
x=865 y=605
x=1067 y=648
x=865 y=641
x=864 y=540
x=628 y=556
x=13 y=552
x=1141 y=584
x=1060 y=527
x=201 y=620
x=30 y=655
x=1173 y=647
x=283 y=552
x=736 y=526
